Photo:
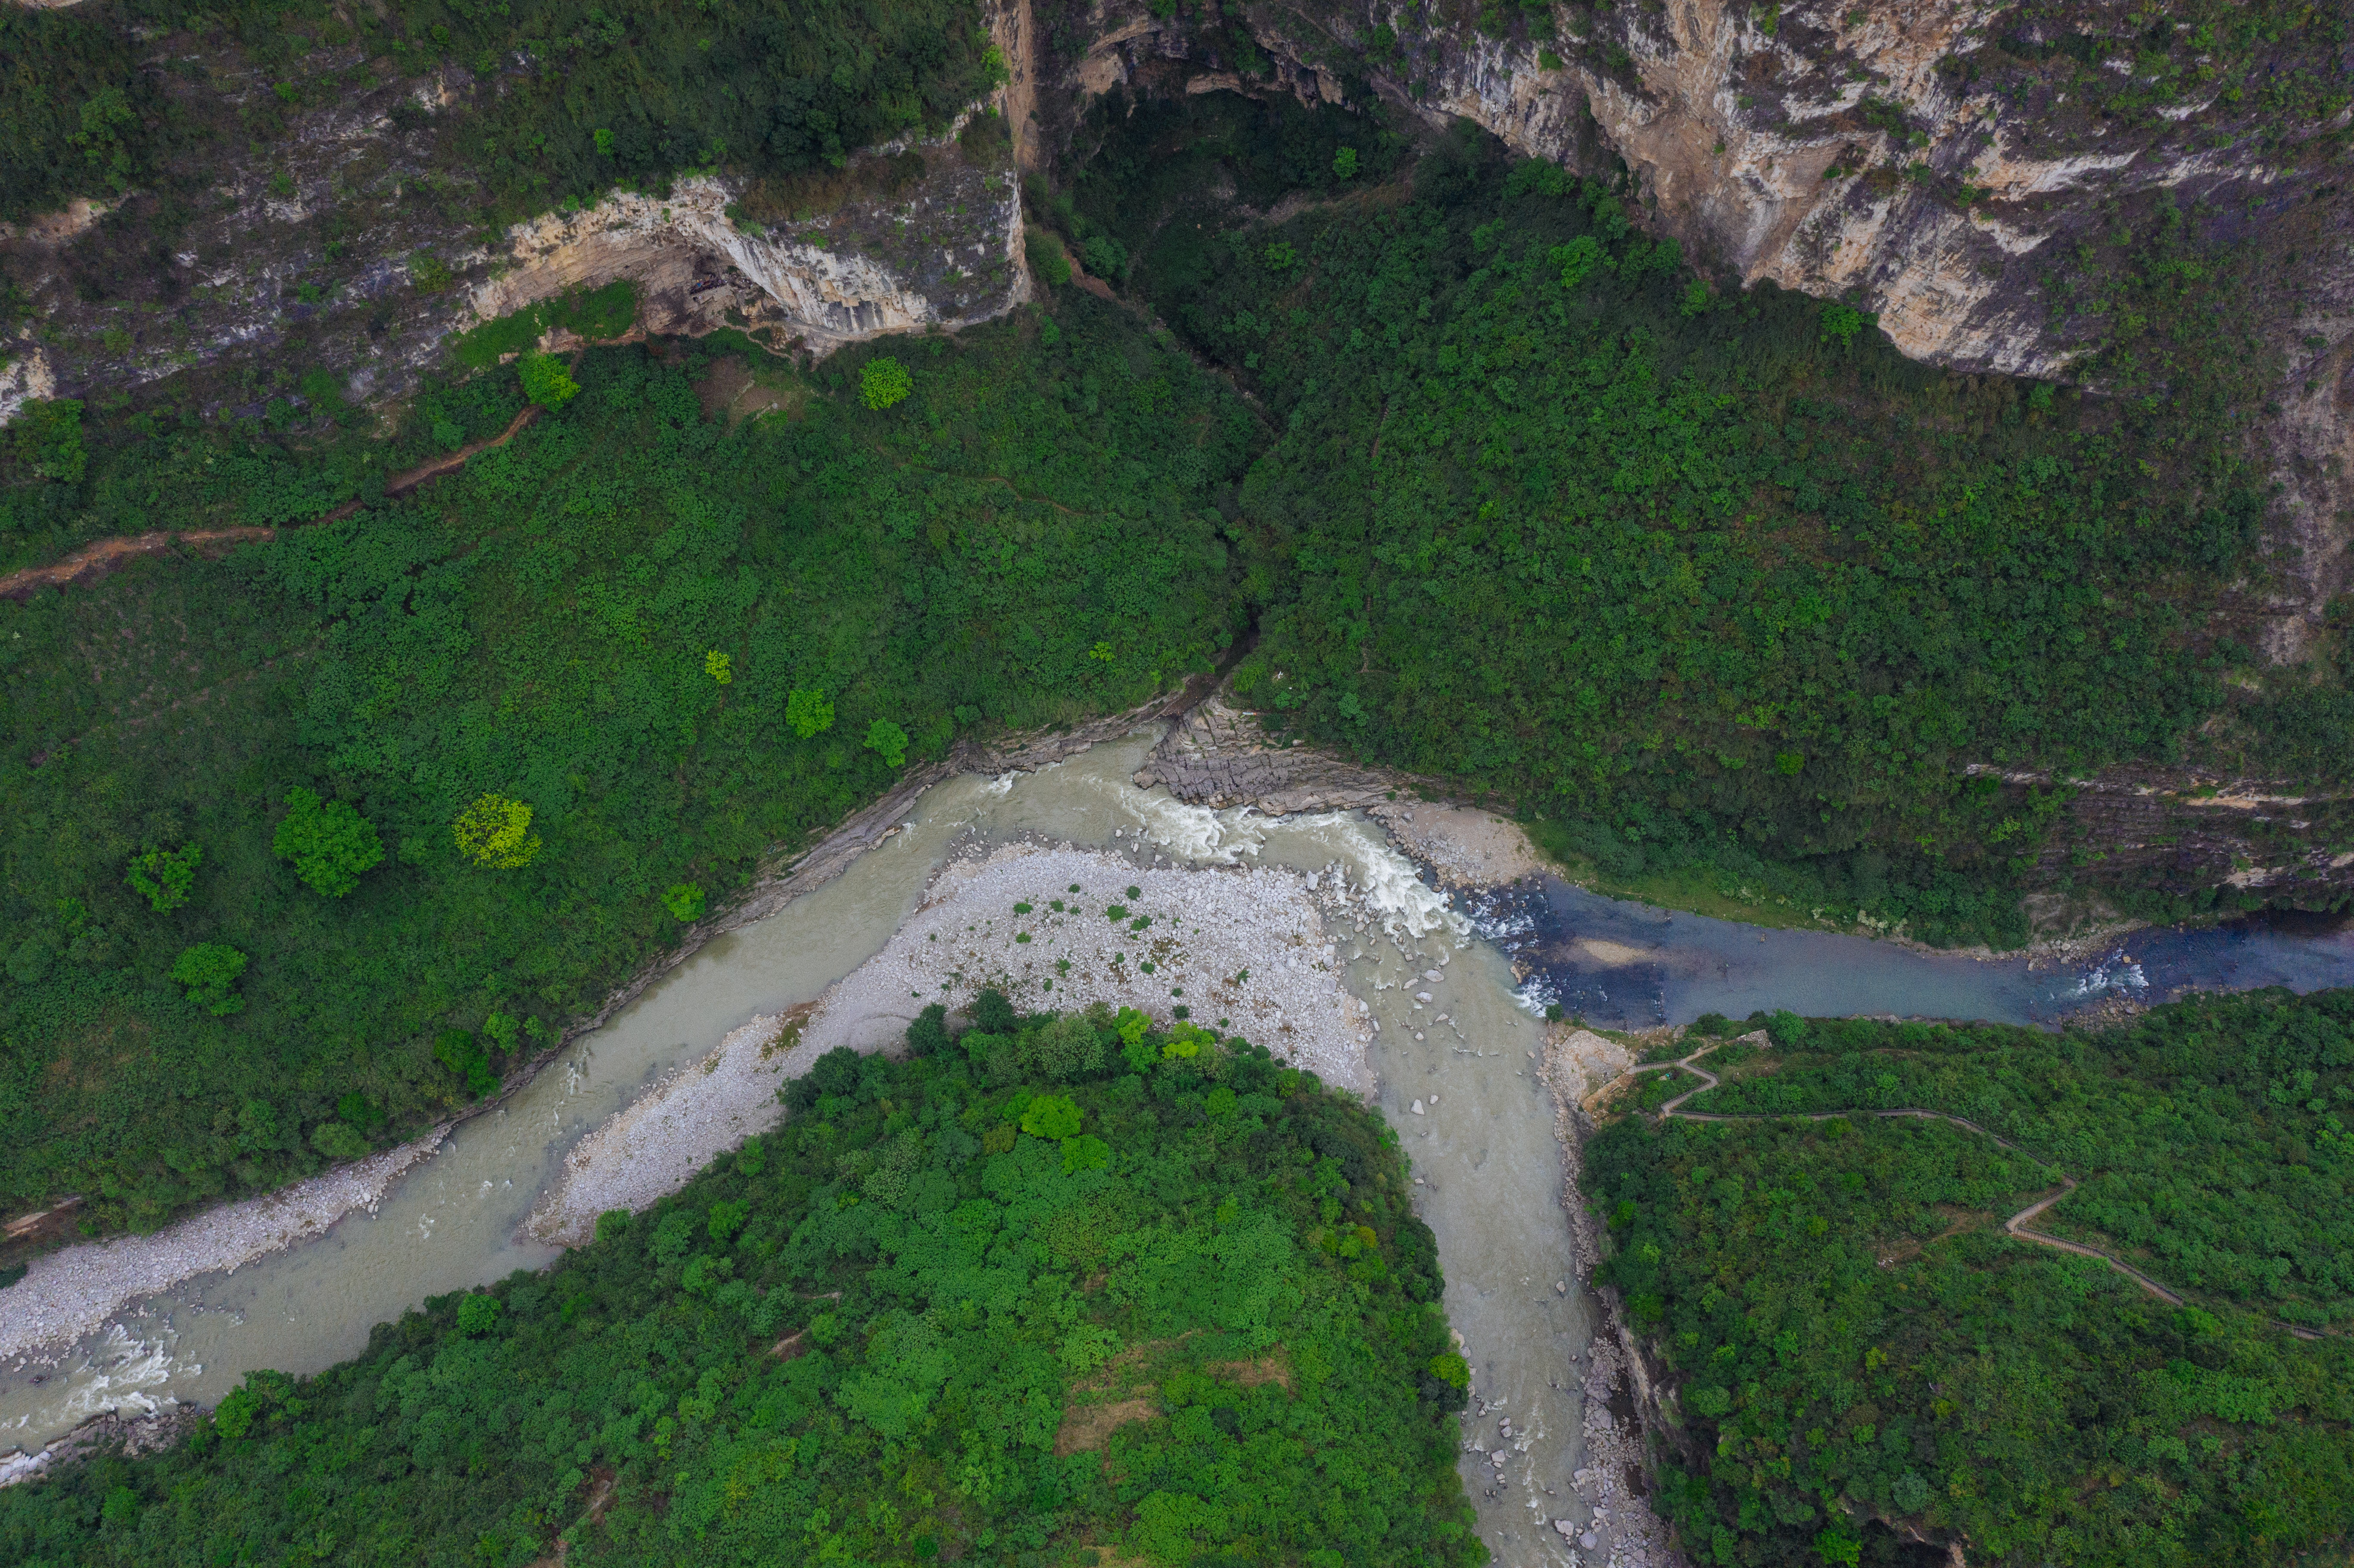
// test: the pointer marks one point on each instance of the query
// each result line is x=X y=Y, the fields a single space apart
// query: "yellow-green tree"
x=546 y=381
x=884 y=382
x=495 y=832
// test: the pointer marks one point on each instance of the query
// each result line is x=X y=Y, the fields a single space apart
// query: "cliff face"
x=1997 y=181
x=943 y=250
x=348 y=247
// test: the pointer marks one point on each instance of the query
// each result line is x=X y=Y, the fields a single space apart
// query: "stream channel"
x=1483 y=1146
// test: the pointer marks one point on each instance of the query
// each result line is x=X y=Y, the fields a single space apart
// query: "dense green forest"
x=2210 y=1138
x=1855 y=1339
x=1704 y=575
x=1062 y=1287
x=550 y=100
x=304 y=845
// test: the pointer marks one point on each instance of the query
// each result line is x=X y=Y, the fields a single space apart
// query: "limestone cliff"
x=348 y=248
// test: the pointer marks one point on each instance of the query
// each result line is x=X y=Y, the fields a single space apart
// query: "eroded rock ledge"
x=1220 y=755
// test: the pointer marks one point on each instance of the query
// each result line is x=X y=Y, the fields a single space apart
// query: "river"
x=1482 y=1141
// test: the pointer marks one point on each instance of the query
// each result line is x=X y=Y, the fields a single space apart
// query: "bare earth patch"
x=1467 y=848
x=1087 y=1427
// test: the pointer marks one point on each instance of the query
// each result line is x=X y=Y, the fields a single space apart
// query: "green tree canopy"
x=329 y=842
x=164 y=876
x=884 y=382
x=209 y=970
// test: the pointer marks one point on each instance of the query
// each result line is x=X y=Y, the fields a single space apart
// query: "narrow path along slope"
x=2016 y=1225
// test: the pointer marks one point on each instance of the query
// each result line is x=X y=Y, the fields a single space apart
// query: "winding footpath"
x=2016 y=1225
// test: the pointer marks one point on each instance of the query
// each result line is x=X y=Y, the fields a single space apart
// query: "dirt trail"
x=2016 y=1225
x=95 y=560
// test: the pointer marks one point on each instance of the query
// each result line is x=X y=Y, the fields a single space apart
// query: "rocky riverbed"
x=69 y=1294
x=1240 y=947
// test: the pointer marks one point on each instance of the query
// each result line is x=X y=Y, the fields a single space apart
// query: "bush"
x=48 y=440
x=210 y=971
x=1048 y=264
x=992 y=1015
x=1052 y=1117
x=464 y=1055
x=330 y=843
x=164 y=877
x=495 y=832
x=888 y=741
x=337 y=1141
x=685 y=902
x=929 y=1034
x=884 y=382
x=546 y=381
x=808 y=713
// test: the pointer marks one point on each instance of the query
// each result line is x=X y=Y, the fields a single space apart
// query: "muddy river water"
x=1456 y=1074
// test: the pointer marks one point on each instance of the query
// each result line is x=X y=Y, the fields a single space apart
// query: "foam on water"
x=119 y=1371
x=1189 y=832
x=2116 y=972
x=1405 y=905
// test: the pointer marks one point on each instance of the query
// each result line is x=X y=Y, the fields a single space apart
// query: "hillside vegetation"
x=1063 y=1291
x=536 y=101
x=1706 y=576
x=1857 y=1347
x=304 y=846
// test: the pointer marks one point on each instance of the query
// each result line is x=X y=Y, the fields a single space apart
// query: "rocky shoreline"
x=71 y=1293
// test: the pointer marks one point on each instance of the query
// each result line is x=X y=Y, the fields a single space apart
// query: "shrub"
x=329 y=842
x=884 y=382
x=992 y=1015
x=719 y=667
x=889 y=740
x=929 y=1034
x=478 y=1314
x=49 y=439
x=210 y=970
x=546 y=381
x=1840 y=323
x=1344 y=164
x=1579 y=260
x=495 y=832
x=1052 y=1116
x=1047 y=262
x=1067 y=1050
x=337 y=1141
x=164 y=877
x=1105 y=257
x=808 y=714
x=685 y=902
x=463 y=1054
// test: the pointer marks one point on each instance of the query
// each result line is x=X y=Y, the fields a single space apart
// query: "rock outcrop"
x=1220 y=755
x=336 y=264
x=943 y=250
